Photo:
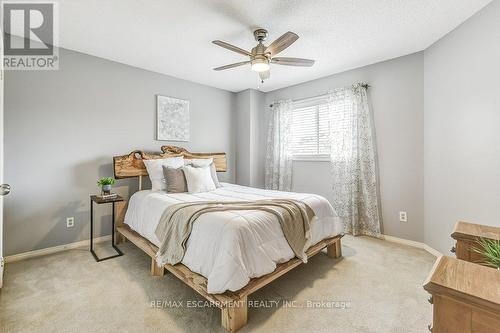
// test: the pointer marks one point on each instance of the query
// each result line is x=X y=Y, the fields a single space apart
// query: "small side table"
x=99 y=201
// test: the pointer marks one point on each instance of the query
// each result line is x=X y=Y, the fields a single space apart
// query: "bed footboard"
x=233 y=305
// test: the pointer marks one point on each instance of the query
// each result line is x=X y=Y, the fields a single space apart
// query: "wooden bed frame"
x=232 y=304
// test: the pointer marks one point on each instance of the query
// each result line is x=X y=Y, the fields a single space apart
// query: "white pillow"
x=155 y=170
x=198 y=162
x=202 y=162
x=198 y=179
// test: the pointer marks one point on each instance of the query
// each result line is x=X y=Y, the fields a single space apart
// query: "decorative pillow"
x=175 y=180
x=201 y=162
x=213 y=173
x=155 y=170
x=198 y=179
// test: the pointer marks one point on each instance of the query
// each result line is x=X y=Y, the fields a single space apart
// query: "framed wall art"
x=172 y=119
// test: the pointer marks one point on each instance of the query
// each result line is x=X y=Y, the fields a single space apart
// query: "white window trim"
x=313 y=101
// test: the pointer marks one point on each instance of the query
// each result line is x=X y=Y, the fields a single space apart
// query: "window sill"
x=311 y=158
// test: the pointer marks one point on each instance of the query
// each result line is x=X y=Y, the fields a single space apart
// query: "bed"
x=229 y=254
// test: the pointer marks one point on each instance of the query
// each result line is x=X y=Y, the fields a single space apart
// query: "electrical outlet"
x=403 y=217
x=70 y=222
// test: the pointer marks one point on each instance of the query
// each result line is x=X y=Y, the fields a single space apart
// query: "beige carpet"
x=377 y=286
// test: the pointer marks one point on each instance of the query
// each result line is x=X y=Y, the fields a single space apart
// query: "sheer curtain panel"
x=279 y=147
x=353 y=161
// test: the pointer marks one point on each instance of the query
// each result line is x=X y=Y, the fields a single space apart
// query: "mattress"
x=231 y=247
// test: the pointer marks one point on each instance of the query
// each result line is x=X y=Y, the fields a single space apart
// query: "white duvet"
x=231 y=247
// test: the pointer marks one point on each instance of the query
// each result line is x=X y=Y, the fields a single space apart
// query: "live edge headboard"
x=131 y=165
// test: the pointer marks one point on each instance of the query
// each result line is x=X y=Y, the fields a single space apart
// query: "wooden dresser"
x=466 y=235
x=465 y=297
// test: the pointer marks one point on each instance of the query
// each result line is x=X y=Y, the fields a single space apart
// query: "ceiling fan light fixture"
x=260 y=64
x=262 y=56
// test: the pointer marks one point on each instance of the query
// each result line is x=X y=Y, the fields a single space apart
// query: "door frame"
x=2 y=260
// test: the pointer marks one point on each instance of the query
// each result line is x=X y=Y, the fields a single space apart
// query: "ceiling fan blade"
x=231 y=47
x=231 y=65
x=292 y=61
x=265 y=75
x=287 y=39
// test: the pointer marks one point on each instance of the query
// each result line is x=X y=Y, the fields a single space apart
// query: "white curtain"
x=353 y=157
x=279 y=155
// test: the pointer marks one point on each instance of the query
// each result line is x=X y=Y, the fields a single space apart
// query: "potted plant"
x=105 y=184
x=490 y=249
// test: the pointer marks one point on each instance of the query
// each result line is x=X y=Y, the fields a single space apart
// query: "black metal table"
x=99 y=201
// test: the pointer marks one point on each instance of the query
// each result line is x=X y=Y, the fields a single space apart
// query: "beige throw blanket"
x=175 y=225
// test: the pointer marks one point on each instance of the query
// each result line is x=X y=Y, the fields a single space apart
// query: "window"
x=310 y=130
x=315 y=125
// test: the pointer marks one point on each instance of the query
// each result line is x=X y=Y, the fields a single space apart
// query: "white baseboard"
x=432 y=250
x=55 y=249
x=408 y=242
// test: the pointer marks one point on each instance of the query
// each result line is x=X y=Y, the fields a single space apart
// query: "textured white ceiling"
x=174 y=37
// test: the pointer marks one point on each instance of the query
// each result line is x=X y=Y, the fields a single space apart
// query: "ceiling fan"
x=262 y=56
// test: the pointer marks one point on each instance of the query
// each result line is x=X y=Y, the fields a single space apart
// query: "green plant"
x=490 y=249
x=106 y=181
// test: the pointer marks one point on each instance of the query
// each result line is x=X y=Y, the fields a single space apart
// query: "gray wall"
x=462 y=136
x=397 y=100
x=242 y=137
x=257 y=132
x=249 y=105
x=63 y=127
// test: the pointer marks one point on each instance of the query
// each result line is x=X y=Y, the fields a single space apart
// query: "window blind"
x=311 y=130
x=316 y=122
